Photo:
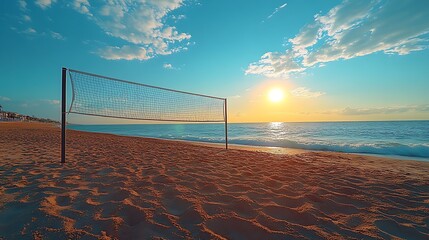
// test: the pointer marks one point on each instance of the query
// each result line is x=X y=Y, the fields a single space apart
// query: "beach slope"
x=137 y=188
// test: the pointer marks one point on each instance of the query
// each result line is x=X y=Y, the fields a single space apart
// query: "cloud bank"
x=43 y=4
x=351 y=111
x=349 y=30
x=385 y=110
x=140 y=24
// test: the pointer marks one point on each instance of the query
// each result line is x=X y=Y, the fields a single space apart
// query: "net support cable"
x=101 y=96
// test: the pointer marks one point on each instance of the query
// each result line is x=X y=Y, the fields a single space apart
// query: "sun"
x=276 y=95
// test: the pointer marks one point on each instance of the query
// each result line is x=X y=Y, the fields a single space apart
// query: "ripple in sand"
x=238 y=228
x=283 y=213
x=394 y=229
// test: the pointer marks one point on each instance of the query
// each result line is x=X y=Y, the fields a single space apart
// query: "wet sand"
x=138 y=188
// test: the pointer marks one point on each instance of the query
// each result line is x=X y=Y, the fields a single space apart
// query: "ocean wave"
x=390 y=148
x=411 y=150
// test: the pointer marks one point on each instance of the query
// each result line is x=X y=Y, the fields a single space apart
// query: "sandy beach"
x=114 y=187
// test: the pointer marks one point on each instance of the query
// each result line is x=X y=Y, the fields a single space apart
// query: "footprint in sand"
x=176 y=205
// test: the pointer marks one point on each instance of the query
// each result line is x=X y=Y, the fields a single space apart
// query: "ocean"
x=400 y=139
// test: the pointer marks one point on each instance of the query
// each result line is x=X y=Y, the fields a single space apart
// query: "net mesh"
x=108 y=97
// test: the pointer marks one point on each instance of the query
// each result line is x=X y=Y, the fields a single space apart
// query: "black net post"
x=63 y=114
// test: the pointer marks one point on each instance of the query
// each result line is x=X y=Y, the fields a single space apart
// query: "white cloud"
x=306 y=93
x=277 y=10
x=43 y=4
x=139 y=23
x=167 y=66
x=170 y=66
x=26 y=18
x=307 y=37
x=6 y=99
x=30 y=31
x=357 y=29
x=178 y=17
x=345 y=16
x=57 y=36
x=22 y=5
x=82 y=6
x=126 y=53
x=273 y=64
x=353 y=29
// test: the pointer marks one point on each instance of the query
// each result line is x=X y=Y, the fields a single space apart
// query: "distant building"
x=3 y=115
x=12 y=117
x=16 y=117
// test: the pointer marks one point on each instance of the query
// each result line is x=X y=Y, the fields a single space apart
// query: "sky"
x=332 y=60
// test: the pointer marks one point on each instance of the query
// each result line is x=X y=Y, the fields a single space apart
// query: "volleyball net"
x=108 y=97
x=102 y=96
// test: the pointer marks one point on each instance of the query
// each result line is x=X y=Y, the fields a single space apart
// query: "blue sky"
x=335 y=60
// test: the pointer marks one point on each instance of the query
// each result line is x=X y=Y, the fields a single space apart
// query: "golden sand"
x=137 y=188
